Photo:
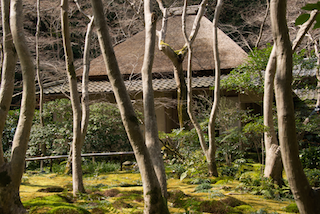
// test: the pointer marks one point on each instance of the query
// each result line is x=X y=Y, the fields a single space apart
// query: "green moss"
x=68 y=210
x=182 y=50
x=52 y=204
x=214 y=207
x=244 y=208
x=292 y=208
x=232 y=202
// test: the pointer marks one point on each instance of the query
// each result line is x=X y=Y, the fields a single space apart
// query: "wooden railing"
x=109 y=154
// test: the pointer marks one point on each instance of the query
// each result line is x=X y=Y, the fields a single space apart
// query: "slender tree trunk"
x=177 y=60
x=8 y=68
x=38 y=65
x=306 y=198
x=211 y=126
x=11 y=173
x=154 y=201
x=151 y=129
x=209 y=154
x=41 y=94
x=75 y=101
x=181 y=95
x=85 y=81
x=273 y=161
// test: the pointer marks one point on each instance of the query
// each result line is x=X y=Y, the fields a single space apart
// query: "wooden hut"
x=130 y=54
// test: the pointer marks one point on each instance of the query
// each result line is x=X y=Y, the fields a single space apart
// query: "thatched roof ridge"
x=130 y=53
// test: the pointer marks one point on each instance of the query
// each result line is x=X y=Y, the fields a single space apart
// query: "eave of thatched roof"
x=130 y=53
x=104 y=86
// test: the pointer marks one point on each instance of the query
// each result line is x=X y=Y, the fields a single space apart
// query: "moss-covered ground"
x=121 y=192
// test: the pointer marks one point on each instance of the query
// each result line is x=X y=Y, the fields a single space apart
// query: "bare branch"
x=262 y=25
x=304 y=29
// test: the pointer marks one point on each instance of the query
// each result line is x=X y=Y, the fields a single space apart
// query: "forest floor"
x=121 y=192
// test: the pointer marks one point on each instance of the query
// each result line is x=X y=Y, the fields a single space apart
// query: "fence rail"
x=109 y=154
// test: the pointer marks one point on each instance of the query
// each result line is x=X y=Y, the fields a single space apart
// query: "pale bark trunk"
x=305 y=197
x=154 y=201
x=38 y=67
x=8 y=68
x=177 y=60
x=43 y=147
x=75 y=101
x=181 y=95
x=273 y=162
x=85 y=81
x=151 y=128
x=211 y=126
x=209 y=154
x=11 y=173
x=274 y=166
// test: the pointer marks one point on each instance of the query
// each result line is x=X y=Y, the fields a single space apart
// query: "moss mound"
x=111 y=192
x=55 y=204
x=292 y=208
x=213 y=206
x=177 y=198
x=68 y=210
x=51 y=189
x=244 y=208
x=232 y=202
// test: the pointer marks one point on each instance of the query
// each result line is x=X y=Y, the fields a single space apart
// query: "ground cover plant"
x=115 y=191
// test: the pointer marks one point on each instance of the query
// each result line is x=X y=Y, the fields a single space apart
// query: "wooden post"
x=50 y=165
x=41 y=164
x=93 y=159
x=120 y=162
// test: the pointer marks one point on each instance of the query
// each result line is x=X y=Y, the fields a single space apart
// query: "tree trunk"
x=305 y=197
x=38 y=67
x=177 y=58
x=151 y=129
x=43 y=146
x=75 y=101
x=85 y=82
x=8 y=68
x=154 y=201
x=273 y=168
x=11 y=173
x=208 y=151
x=211 y=126
x=181 y=95
x=273 y=164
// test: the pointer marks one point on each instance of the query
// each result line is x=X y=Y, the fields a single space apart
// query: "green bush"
x=313 y=176
x=204 y=187
x=97 y=168
x=310 y=157
x=263 y=186
x=105 y=129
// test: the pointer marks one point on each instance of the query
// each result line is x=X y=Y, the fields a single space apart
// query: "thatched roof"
x=130 y=53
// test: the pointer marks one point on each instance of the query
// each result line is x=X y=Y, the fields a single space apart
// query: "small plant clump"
x=292 y=208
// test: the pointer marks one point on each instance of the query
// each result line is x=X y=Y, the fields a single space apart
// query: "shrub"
x=97 y=168
x=310 y=157
x=313 y=176
x=263 y=186
x=204 y=187
x=105 y=129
